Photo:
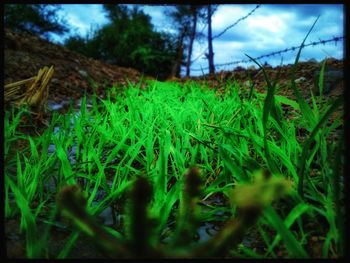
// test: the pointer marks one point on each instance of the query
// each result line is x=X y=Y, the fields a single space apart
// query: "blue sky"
x=272 y=27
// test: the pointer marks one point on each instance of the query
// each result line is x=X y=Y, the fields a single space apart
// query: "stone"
x=83 y=73
x=301 y=79
x=312 y=60
x=332 y=77
x=251 y=67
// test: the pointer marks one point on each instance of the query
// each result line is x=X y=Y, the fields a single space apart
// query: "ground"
x=74 y=73
x=26 y=54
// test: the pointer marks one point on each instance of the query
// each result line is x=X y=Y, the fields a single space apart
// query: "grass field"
x=263 y=156
x=166 y=128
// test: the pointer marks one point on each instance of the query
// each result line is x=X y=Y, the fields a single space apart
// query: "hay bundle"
x=33 y=91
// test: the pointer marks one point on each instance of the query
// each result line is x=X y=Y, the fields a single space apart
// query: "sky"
x=271 y=28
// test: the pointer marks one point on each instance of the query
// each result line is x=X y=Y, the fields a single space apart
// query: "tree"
x=85 y=46
x=116 y=12
x=210 y=55
x=194 y=14
x=38 y=19
x=181 y=17
x=186 y=17
x=129 y=40
x=176 y=68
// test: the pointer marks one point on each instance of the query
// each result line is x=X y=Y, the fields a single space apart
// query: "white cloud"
x=275 y=24
x=225 y=46
x=156 y=13
x=270 y=28
x=83 y=17
x=76 y=22
x=226 y=15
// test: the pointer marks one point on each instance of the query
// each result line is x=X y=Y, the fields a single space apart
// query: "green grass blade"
x=301 y=167
x=235 y=170
x=321 y=79
x=33 y=247
x=68 y=245
x=305 y=108
x=296 y=212
x=268 y=105
x=293 y=246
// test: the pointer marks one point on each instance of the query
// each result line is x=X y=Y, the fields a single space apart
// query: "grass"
x=158 y=133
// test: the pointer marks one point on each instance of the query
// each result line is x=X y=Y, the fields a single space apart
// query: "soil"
x=306 y=76
x=25 y=54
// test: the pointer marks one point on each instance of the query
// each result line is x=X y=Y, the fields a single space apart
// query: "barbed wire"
x=314 y=43
x=226 y=29
x=239 y=20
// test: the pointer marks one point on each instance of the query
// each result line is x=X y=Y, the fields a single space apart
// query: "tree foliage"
x=38 y=19
x=129 y=40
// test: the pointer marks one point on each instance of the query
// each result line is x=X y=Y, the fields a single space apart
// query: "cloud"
x=228 y=14
x=234 y=36
x=77 y=23
x=83 y=18
x=272 y=27
x=277 y=27
x=156 y=13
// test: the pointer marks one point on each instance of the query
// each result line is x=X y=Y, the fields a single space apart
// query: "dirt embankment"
x=25 y=54
x=306 y=76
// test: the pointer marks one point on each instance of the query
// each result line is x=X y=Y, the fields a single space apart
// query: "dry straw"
x=33 y=91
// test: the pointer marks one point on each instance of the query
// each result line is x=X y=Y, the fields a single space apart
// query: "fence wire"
x=226 y=29
x=314 y=43
x=239 y=20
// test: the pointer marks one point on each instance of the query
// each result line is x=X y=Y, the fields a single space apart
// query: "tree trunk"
x=210 y=44
x=175 y=71
x=193 y=35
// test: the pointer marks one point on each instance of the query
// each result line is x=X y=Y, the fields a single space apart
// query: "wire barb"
x=323 y=42
x=226 y=29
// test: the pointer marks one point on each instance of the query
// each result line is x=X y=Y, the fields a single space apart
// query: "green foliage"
x=129 y=40
x=38 y=19
x=181 y=15
x=157 y=132
x=72 y=204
